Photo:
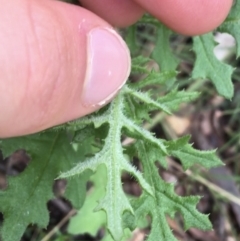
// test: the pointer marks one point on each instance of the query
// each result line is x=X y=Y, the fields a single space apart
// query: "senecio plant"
x=91 y=149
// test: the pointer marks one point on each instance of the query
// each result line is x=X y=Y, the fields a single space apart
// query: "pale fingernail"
x=108 y=66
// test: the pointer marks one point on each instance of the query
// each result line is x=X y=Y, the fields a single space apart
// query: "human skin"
x=54 y=66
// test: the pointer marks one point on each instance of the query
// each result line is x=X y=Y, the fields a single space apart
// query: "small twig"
x=62 y=222
x=205 y=182
x=59 y=225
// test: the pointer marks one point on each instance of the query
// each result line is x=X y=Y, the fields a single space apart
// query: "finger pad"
x=189 y=17
x=118 y=13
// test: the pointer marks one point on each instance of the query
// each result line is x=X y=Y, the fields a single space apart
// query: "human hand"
x=59 y=62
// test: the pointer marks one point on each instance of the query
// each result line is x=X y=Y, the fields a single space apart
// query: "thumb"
x=58 y=62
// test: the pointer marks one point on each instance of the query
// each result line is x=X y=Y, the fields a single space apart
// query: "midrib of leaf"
x=115 y=133
x=115 y=202
x=118 y=202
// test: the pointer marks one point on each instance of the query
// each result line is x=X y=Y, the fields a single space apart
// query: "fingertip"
x=108 y=66
x=118 y=13
x=189 y=17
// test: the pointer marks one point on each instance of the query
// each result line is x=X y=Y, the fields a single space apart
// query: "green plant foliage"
x=24 y=201
x=208 y=66
x=190 y=156
x=115 y=202
x=164 y=56
x=80 y=223
x=231 y=24
x=164 y=201
x=93 y=144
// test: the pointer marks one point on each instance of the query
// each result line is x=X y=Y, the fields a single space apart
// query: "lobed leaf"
x=154 y=78
x=167 y=103
x=24 y=201
x=163 y=53
x=208 y=66
x=115 y=202
x=164 y=201
x=190 y=156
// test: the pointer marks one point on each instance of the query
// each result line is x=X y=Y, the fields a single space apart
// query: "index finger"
x=187 y=16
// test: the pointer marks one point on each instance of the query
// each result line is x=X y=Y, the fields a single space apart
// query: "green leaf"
x=76 y=189
x=144 y=135
x=190 y=156
x=178 y=143
x=24 y=201
x=208 y=66
x=80 y=223
x=131 y=39
x=163 y=54
x=135 y=111
x=126 y=237
x=164 y=202
x=115 y=202
x=232 y=24
x=154 y=78
x=173 y=99
x=140 y=60
x=138 y=65
x=76 y=186
x=167 y=103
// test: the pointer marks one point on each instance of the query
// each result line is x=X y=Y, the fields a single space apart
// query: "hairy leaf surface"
x=164 y=202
